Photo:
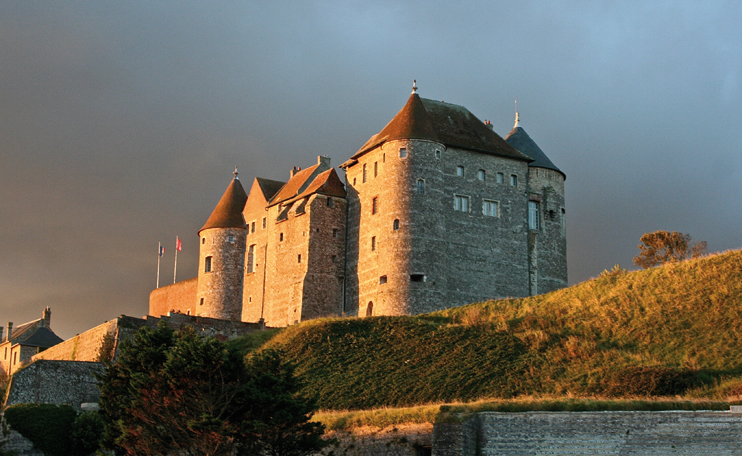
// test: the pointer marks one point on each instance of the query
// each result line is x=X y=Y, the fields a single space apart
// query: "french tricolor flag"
x=162 y=250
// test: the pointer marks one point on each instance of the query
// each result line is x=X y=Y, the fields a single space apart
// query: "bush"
x=86 y=433
x=48 y=426
x=649 y=381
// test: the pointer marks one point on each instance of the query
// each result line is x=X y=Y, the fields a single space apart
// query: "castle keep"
x=437 y=210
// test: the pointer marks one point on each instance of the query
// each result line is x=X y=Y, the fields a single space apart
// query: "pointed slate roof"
x=228 y=212
x=450 y=124
x=519 y=139
x=269 y=187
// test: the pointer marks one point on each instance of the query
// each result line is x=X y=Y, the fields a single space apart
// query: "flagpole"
x=175 y=268
x=159 y=255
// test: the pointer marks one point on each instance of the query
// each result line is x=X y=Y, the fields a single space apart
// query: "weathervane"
x=517 y=117
x=414 y=86
x=235 y=172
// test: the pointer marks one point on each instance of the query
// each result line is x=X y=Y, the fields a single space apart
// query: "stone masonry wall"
x=219 y=291
x=399 y=440
x=548 y=244
x=674 y=432
x=177 y=297
x=82 y=347
x=55 y=382
x=257 y=239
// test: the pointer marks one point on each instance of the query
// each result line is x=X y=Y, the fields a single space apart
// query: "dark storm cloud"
x=120 y=122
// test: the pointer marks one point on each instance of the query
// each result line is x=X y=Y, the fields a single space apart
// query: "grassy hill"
x=666 y=331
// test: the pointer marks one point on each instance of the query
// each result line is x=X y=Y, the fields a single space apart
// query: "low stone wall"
x=672 y=432
x=55 y=382
x=14 y=443
x=83 y=347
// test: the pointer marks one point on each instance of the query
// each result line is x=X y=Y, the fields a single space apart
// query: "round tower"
x=547 y=230
x=221 y=257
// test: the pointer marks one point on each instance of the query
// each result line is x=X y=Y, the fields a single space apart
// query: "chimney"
x=47 y=317
x=295 y=170
x=10 y=331
x=322 y=160
x=489 y=125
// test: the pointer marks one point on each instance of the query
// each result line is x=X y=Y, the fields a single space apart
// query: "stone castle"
x=437 y=210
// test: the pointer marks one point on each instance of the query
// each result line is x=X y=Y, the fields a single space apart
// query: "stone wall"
x=83 y=347
x=55 y=382
x=14 y=443
x=177 y=297
x=673 y=432
x=219 y=290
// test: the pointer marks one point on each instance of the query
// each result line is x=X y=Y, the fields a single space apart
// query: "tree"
x=663 y=247
x=174 y=392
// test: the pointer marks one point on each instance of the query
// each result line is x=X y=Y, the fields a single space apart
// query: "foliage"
x=681 y=316
x=175 y=392
x=617 y=271
x=251 y=341
x=649 y=381
x=87 y=431
x=663 y=247
x=47 y=426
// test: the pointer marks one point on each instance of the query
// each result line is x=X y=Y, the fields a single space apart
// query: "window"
x=370 y=309
x=364 y=172
x=334 y=259
x=230 y=239
x=330 y=202
x=461 y=203
x=280 y=237
x=395 y=225
x=202 y=301
x=207 y=264
x=298 y=258
x=264 y=222
x=420 y=186
x=490 y=208
x=417 y=277
x=376 y=169
x=402 y=152
x=203 y=240
x=500 y=178
x=480 y=174
x=563 y=222
x=437 y=154
x=533 y=213
x=382 y=280
x=513 y=180
x=459 y=170
x=335 y=232
x=383 y=158
x=15 y=357
x=354 y=181
x=251 y=259
x=373 y=243
x=375 y=205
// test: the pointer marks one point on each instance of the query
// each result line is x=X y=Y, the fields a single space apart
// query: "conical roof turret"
x=519 y=139
x=228 y=212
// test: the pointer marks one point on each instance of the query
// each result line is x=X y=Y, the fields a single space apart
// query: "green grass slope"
x=665 y=331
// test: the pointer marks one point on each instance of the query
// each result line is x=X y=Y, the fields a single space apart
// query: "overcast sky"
x=121 y=122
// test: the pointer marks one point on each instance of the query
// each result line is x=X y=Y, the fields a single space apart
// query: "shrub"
x=86 y=433
x=47 y=426
x=649 y=381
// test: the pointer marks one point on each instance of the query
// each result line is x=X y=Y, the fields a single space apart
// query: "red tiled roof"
x=228 y=212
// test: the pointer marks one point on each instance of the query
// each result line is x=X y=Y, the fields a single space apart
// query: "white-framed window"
x=402 y=152
x=461 y=203
x=460 y=171
x=500 y=178
x=480 y=174
x=230 y=239
x=490 y=208
x=420 y=186
x=513 y=180
x=533 y=215
x=251 y=259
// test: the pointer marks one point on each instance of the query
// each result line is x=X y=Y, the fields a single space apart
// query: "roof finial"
x=517 y=117
x=414 y=86
x=235 y=173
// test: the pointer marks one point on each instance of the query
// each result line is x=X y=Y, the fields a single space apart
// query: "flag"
x=178 y=245
x=162 y=250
